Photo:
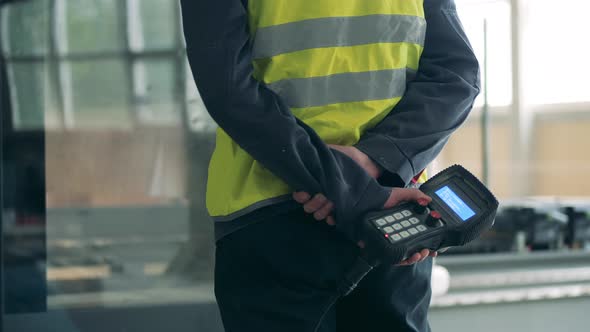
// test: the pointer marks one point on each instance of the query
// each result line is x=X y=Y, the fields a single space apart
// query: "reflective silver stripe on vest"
x=341 y=88
x=338 y=31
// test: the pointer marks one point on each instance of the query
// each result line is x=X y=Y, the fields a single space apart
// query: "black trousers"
x=283 y=274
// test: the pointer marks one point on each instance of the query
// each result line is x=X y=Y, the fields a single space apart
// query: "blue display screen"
x=455 y=203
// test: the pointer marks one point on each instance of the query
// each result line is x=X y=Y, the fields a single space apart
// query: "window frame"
x=59 y=60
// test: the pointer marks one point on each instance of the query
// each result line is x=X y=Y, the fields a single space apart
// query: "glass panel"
x=117 y=213
x=557 y=62
x=94 y=26
x=154 y=24
x=34 y=96
x=100 y=93
x=54 y=113
x=28 y=94
x=121 y=231
x=497 y=16
x=27 y=24
x=155 y=91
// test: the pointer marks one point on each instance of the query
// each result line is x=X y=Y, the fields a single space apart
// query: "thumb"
x=399 y=195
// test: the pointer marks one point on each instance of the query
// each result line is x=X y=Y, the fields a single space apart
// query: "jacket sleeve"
x=436 y=102
x=219 y=53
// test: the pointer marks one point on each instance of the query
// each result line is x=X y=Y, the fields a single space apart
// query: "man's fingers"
x=301 y=197
x=399 y=195
x=411 y=194
x=324 y=211
x=415 y=258
x=424 y=254
x=316 y=203
x=319 y=205
x=418 y=257
x=331 y=221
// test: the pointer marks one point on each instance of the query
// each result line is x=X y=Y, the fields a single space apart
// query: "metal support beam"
x=132 y=108
x=485 y=115
x=4 y=103
x=53 y=63
x=522 y=119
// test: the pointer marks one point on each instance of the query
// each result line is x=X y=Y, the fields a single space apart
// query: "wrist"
x=374 y=169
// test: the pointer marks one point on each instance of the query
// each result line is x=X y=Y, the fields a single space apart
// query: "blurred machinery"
x=577 y=233
x=534 y=225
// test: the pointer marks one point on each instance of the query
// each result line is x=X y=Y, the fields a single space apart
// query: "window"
x=83 y=64
x=25 y=46
x=557 y=52
x=104 y=89
x=496 y=15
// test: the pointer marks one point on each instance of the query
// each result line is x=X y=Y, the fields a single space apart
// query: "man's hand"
x=319 y=205
x=400 y=195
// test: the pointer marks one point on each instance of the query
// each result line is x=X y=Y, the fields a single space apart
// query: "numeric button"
x=380 y=222
x=404 y=234
x=406 y=223
x=406 y=213
x=397 y=227
x=414 y=220
x=395 y=238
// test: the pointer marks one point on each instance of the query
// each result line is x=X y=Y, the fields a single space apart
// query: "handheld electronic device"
x=461 y=209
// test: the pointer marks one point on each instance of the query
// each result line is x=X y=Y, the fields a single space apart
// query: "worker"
x=326 y=109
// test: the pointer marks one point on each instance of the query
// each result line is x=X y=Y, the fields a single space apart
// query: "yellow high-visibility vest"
x=340 y=65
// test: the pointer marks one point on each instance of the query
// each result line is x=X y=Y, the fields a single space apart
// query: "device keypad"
x=380 y=222
x=396 y=237
x=400 y=225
